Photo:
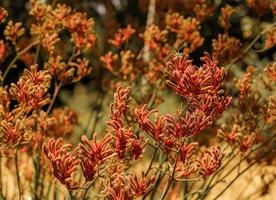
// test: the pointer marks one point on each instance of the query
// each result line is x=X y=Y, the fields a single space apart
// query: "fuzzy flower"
x=49 y=41
x=270 y=71
x=270 y=39
x=81 y=29
x=14 y=133
x=122 y=36
x=31 y=89
x=62 y=121
x=109 y=60
x=271 y=110
x=154 y=37
x=225 y=16
x=186 y=30
x=64 y=163
x=119 y=107
x=226 y=47
x=230 y=136
x=200 y=86
x=140 y=186
x=125 y=187
x=93 y=154
x=3 y=50
x=244 y=85
x=81 y=67
x=13 y=31
x=210 y=161
x=39 y=10
x=247 y=141
x=3 y=14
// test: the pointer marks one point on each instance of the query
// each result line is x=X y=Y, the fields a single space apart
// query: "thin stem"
x=239 y=175
x=37 y=159
x=152 y=159
x=16 y=58
x=57 y=89
x=37 y=53
x=172 y=176
x=249 y=46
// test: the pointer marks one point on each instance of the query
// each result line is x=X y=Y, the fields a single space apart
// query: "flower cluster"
x=224 y=18
x=210 y=161
x=238 y=136
x=186 y=30
x=226 y=47
x=200 y=86
x=122 y=36
x=148 y=140
x=31 y=90
x=62 y=121
x=63 y=161
x=128 y=187
x=93 y=154
x=13 y=31
x=125 y=142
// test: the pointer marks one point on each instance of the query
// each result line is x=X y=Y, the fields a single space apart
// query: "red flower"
x=210 y=161
x=121 y=36
x=64 y=163
x=93 y=153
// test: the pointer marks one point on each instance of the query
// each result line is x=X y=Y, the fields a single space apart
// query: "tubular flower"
x=93 y=154
x=200 y=86
x=153 y=36
x=49 y=41
x=270 y=38
x=122 y=36
x=3 y=14
x=187 y=151
x=247 y=141
x=185 y=165
x=244 y=85
x=271 y=110
x=81 y=28
x=225 y=16
x=14 y=133
x=13 y=31
x=3 y=50
x=210 y=161
x=142 y=115
x=31 y=89
x=230 y=136
x=109 y=60
x=270 y=71
x=125 y=142
x=82 y=68
x=64 y=163
x=140 y=186
x=125 y=187
x=186 y=30
x=226 y=47
x=119 y=107
x=62 y=121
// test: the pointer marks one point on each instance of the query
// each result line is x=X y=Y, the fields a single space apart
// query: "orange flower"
x=64 y=163
x=122 y=36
